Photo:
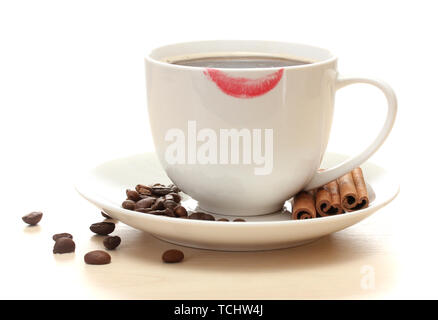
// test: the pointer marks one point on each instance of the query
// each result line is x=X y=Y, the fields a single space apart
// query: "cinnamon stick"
x=353 y=190
x=328 y=200
x=304 y=206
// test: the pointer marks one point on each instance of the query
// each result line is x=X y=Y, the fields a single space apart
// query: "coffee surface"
x=240 y=62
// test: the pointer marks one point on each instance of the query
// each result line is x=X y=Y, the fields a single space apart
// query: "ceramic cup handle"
x=328 y=175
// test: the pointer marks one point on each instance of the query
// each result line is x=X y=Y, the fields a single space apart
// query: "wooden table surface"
x=370 y=260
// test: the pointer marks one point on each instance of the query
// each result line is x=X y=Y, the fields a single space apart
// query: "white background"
x=72 y=92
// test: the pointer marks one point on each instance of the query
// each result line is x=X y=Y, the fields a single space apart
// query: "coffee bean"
x=169 y=212
x=170 y=204
x=201 y=216
x=158 y=205
x=176 y=197
x=62 y=235
x=97 y=257
x=33 y=218
x=223 y=219
x=172 y=256
x=165 y=212
x=111 y=242
x=180 y=211
x=64 y=245
x=128 y=204
x=145 y=203
x=208 y=216
x=143 y=190
x=103 y=228
x=105 y=215
x=150 y=196
x=156 y=212
x=174 y=188
x=133 y=195
x=239 y=220
x=196 y=216
x=161 y=190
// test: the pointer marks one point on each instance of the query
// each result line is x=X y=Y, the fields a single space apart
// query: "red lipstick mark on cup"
x=243 y=87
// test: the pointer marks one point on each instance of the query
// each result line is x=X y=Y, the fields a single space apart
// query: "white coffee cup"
x=287 y=112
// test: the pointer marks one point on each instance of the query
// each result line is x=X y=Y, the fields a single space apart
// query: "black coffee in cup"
x=239 y=61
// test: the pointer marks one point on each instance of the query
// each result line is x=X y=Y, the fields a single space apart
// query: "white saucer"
x=105 y=187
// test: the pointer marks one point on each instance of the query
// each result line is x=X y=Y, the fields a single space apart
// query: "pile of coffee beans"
x=162 y=200
x=63 y=243
x=155 y=199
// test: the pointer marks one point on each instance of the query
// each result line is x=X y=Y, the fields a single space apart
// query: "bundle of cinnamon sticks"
x=345 y=194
